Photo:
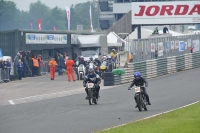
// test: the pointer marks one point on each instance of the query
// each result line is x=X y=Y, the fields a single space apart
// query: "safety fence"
x=4 y=75
x=162 y=47
x=44 y=68
x=158 y=67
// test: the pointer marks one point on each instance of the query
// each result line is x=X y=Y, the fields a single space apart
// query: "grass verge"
x=184 y=120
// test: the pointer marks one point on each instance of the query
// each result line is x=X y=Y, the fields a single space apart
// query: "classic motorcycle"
x=81 y=71
x=103 y=68
x=140 y=98
x=92 y=93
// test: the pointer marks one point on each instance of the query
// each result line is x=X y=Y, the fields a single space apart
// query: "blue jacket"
x=9 y=65
x=93 y=79
x=20 y=66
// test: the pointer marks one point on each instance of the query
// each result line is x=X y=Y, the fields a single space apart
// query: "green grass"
x=185 y=120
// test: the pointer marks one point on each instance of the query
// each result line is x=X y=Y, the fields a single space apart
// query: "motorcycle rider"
x=93 y=78
x=140 y=81
x=79 y=61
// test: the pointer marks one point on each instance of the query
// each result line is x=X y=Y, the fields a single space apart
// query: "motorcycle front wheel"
x=90 y=96
x=139 y=104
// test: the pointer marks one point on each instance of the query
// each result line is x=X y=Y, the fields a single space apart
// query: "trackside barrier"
x=158 y=67
x=45 y=68
x=5 y=77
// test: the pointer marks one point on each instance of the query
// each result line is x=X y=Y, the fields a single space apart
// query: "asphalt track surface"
x=73 y=114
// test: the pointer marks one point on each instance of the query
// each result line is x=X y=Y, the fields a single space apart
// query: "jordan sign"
x=173 y=12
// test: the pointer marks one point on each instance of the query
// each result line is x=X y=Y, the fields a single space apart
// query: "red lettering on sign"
x=167 y=8
x=149 y=9
x=142 y=9
x=196 y=8
x=178 y=9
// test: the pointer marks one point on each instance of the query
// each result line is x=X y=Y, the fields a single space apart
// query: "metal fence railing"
x=44 y=68
x=158 y=67
x=4 y=75
x=161 y=47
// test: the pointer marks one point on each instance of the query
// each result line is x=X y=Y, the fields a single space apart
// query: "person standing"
x=8 y=67
x=35 y=66
x=69 y=67
x=52 y=65
x=165 y=30
x=25 y=66
x=40 y=61
x=61 y=65
x=20 y=69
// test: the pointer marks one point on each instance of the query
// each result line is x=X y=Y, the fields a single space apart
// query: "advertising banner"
x=176 y=44
x=167 y=46
x=189 y=43
x=1 y=53
x=181 y=46
x=153 y=49
x=195 y=44
x=68 y=16
x=34 y=38
x=172 y=45
x=176 y=12
x=160 y=49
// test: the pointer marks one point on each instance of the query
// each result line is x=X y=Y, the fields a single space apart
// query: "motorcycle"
x=103 y=68
x=140 y=98
x=92 y=93
x=90 y=66
x=81 y=71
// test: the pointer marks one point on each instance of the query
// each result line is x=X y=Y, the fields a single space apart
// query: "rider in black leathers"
x=140 y=81
x=93 y=78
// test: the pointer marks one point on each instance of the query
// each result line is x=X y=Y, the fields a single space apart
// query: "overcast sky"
x=24 y=4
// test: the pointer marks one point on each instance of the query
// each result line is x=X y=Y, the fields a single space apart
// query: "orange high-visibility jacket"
x=35 y=62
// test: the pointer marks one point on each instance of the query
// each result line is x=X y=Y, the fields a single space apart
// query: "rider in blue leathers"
x=93 y=78
x=140 y=81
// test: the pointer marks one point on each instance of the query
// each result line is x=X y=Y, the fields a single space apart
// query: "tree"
x=40 y=10
x=12 y=18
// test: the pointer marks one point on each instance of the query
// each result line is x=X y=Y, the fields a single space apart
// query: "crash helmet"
x=137 y=75
x=91 y=71
x=91 y=59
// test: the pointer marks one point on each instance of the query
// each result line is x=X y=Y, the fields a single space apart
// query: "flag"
x=68 y=16
x=39 y=24
x=91 y=26
x=31 y=24
x=54 y=28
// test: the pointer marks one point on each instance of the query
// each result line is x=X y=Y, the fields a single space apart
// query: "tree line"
x=13 y=18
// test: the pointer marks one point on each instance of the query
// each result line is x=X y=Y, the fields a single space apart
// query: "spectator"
x=156 y=54
x=40 y=61
x=1 y=64
x=61 y=65
x=74 y=56
x=156 y=31
x=25 y=66
x=56 y=57
x=8 y=67
x=165 y=30
x=35 y=66
x=20 y=69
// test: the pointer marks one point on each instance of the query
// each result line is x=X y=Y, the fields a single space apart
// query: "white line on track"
x=11 y=102
x=53 y=95
x=151 y=116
